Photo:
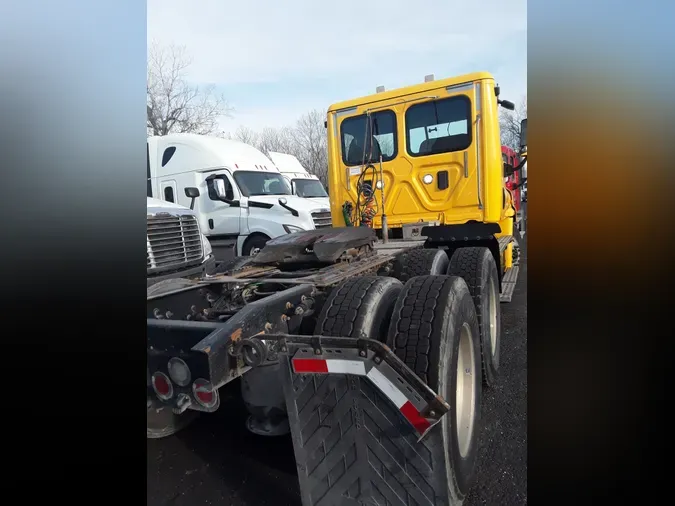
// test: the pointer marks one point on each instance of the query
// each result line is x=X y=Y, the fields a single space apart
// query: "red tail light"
x=162 y=386
x=204 y=393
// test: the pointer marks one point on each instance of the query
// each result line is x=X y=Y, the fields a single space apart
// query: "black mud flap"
x=359 y=421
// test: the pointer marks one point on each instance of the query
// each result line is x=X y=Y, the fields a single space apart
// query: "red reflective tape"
x=413 y=416
x=310 y=365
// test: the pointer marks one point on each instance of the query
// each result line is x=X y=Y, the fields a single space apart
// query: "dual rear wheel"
x=477 y=267
x=440 y=316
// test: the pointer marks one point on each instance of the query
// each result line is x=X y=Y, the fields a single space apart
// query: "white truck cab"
x=303 y=184
x=176 y=248
x=243 y=200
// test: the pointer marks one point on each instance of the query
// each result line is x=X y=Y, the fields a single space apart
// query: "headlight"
x=292 y=228
x=208 y=250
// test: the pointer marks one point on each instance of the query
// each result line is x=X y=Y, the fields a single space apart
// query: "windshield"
x=261 y=183
x=309 y=188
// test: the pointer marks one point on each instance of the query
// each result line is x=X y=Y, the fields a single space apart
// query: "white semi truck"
x=176 y=248
x=303 y=184
x=243 y=202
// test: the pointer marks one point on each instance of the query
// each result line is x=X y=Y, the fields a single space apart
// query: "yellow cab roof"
x=408 y=90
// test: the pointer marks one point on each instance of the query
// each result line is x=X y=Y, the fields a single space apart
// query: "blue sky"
x=274 y=61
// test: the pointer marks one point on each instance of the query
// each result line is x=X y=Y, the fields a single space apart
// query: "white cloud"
x=361 y=43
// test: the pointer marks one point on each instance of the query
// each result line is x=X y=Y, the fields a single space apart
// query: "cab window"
x=438 y=126
x=365 y=138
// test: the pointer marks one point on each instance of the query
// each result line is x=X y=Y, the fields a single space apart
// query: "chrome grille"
x=322 y=219
x=174 y=241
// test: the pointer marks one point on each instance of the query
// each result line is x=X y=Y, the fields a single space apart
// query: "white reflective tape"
x=387 y=387
x=346 y=367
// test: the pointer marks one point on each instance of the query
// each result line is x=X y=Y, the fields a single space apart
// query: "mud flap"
x=360 y=427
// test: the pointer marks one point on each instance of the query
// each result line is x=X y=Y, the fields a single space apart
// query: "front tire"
x=434 y=330
x=254 y=244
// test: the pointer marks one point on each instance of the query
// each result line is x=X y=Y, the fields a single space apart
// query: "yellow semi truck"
x=424 y=161
x=372 y=353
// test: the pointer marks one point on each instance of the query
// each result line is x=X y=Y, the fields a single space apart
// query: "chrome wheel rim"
x=465 y=395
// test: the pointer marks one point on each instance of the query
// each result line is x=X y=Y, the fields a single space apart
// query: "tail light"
x=204 y=393
x=179 y=372
x=162 y=386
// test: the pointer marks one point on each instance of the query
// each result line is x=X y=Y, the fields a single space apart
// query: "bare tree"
x=509 y=124
x=247 y=136
x=175 y=105
x=310 y=138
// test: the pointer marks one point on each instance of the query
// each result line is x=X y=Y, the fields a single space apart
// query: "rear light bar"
x=162 y=386
x=204 y=393
x=179 y=372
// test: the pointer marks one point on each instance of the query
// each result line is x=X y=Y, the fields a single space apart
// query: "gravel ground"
x=502 y=461
x=216 y=461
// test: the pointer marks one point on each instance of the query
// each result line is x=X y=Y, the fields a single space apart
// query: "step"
x=509 y=284
x=504 y=241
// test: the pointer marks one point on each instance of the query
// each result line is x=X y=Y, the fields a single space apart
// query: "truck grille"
x=174 y=242
x=322 y=219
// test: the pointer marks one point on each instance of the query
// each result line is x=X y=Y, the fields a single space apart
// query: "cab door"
x=368 y=149
x=221 y=219
x=439 y=166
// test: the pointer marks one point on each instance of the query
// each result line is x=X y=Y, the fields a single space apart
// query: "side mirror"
x=192 y=193
x=218 y=188
x=507 y=105
x=523 y=133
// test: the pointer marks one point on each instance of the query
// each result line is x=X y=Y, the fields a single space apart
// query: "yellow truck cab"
x=424 y=161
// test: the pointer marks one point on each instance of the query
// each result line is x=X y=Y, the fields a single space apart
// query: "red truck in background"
x=512 y=158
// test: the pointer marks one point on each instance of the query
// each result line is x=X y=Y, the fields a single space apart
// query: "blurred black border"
x=72 y=138
x=600 y=204
x=600 y=269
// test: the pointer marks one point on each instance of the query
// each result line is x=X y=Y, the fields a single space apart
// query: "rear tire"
x=359 y=307
x=420 y=262
x=162 y=422
x=352 y=445
x=434 y=330
x=478 y=268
